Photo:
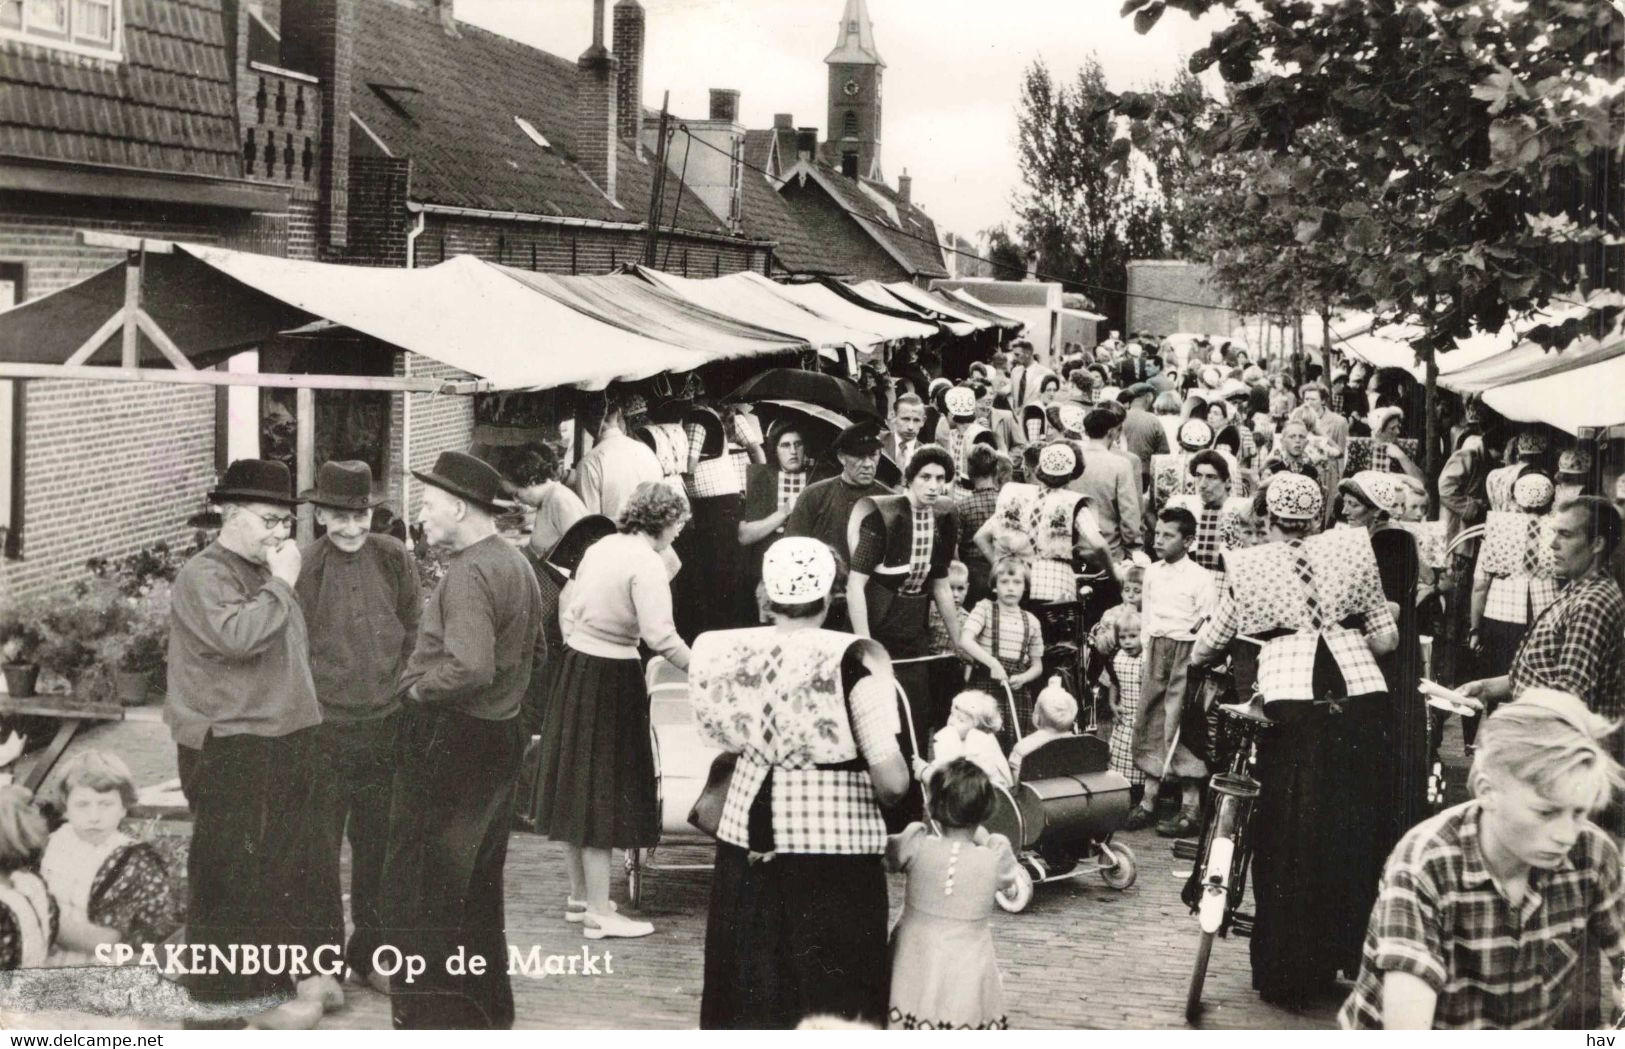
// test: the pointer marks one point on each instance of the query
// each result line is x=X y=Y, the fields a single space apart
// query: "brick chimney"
x=783 y=121
x=596 y=126
x=447 y=11
x=318 y=37
x=905 y=188
x=627 y=37
x=725 y=104
x=807 y=143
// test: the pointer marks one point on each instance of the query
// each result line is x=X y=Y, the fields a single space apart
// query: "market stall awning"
x=833 y=306
x=464 y=313
x=208 y=303
x=875 y=294
x=738 y=296
x=931 y=302
x=1585 y=394
x=997 y=316
x=634 y=305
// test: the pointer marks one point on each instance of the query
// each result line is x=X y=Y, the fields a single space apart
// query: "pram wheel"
x=634 y=877
x=1118 y=866
x=1020 y=895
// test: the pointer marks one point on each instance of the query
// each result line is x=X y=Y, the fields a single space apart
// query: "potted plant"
x=133 y=655
x=20 y=639
x=74 y=629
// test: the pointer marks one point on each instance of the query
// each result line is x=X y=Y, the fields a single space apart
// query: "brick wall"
x=379 y=187
x=438 y=423
x=109 y=467
x=1186 y=282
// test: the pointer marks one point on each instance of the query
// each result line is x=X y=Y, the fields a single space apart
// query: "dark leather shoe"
x=1139 y=819
x=1181 y=826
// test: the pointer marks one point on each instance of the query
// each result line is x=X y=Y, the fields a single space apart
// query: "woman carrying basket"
x=797 y=922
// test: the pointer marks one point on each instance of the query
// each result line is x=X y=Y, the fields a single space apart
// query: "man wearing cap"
x=359 y=592
x=460 y=743
x=824 y=508
x=961 y=431
x=243 y=710
x=606 y=476
x=1027 y=377
x=1109 y=484
x=1142 y=433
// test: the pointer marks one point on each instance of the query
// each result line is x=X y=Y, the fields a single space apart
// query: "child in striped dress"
x=1124 y=673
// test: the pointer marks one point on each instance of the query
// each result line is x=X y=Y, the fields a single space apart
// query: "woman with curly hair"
x=532 y=474
x=598 y=775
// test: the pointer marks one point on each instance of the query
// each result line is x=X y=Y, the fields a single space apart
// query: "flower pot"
x=21 y=679
x=130 y=687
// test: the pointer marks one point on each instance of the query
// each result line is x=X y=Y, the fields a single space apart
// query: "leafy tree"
x=1081 y=214
x=1483 y=140
x=1003 y=254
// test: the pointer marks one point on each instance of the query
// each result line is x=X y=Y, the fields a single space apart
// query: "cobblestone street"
x=1081 y=956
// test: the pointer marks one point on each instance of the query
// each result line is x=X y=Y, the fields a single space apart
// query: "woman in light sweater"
x=598 y=774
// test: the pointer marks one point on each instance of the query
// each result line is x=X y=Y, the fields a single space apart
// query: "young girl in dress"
x=1006 y=643
x=972 y=732
x=111 y=888
x=944 y=974
x=1124 y=672
x=28 y=914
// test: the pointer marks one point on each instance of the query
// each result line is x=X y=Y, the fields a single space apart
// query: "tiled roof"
x=449 y=102
x=906 y=230
x=167 y=106
x=768 y=216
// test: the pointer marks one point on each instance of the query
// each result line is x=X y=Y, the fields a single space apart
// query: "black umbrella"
x=826 y=391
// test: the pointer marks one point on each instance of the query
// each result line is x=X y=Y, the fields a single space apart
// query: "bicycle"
x=1225 y=852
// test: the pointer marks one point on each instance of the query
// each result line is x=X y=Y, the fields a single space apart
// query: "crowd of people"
x=1210 y=529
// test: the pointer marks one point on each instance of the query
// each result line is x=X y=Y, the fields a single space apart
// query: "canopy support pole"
x=130 y=347
x=305 y=455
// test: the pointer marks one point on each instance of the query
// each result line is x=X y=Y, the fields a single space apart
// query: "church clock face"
x=851 y=88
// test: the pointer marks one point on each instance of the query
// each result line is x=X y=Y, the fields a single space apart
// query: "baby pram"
x=682 y=761
x=1061 y=816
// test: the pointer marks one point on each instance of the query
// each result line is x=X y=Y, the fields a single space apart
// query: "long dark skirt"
x=795 y=937
x=597 y=780
x=705 y=594
x=252 y=863
x=1318 y=835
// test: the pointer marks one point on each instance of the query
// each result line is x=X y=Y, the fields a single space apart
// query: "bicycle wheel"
x=1193 y=996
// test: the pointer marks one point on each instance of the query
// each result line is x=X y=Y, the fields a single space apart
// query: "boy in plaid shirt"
x=1500 y=912
x=942 y=643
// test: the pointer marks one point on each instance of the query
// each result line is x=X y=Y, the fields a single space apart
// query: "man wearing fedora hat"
x=242 y=707
x=359 y=592
x=460 y=744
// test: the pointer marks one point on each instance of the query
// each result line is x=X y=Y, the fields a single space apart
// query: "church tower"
x=854 y=96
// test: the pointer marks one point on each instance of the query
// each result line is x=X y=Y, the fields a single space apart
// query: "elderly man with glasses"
x=242 y=707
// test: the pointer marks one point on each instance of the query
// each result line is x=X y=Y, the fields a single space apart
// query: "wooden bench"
x=73 y=715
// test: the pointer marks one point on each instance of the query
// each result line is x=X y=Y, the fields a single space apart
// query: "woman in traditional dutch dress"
x=771 y=491
x=961 y=431
x=901 y=546
x=1317 y=603
x=1512 y=579
x=1373 y=501
x=797 y=920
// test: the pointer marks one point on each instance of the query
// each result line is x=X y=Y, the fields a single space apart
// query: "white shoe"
x=575 y=910
x=596 y=926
